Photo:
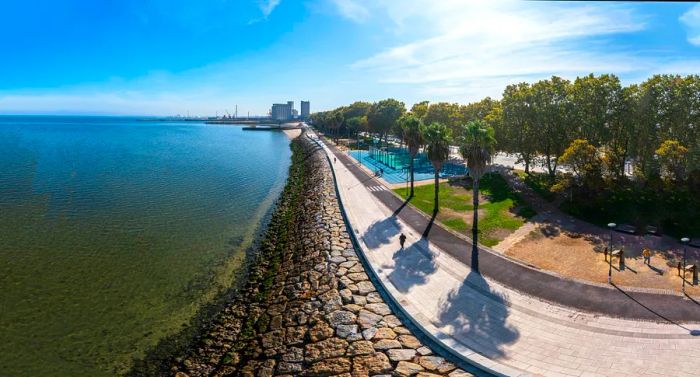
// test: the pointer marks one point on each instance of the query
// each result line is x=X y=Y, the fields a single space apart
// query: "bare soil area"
x=581 y=256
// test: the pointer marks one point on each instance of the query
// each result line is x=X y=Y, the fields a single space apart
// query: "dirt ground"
x=580 y=256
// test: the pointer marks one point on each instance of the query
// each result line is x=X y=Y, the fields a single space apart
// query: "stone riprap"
x=309 y=308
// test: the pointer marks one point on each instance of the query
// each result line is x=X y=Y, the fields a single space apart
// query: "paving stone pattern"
x=322 y=316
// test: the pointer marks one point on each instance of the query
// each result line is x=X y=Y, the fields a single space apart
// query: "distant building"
x=281 y=111
x=291 y=104
x=305 y=110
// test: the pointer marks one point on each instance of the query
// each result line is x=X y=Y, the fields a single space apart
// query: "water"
x=113 y=232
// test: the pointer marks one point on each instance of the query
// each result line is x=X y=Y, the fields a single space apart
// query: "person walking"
x=402 y=240
x=647 y=256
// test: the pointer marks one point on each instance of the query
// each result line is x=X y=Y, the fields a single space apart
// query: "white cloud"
x=352 y=9
x=691 y=19
x=267 y=6
x=464 y=46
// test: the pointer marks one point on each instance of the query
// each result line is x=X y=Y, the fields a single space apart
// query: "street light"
x=611 y=226
x=684 y=241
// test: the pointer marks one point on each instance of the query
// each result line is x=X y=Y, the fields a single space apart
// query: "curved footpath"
x=578 y=330
x=309 y=308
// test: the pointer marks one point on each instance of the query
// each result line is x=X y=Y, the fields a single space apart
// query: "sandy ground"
x=292 y=134
x=580 y=256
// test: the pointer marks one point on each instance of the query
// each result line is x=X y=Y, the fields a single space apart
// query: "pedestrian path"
x=498 y=328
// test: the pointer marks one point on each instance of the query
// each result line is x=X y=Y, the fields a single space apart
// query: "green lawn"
x=501 y=213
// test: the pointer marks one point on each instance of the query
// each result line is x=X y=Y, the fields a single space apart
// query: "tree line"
x=592 y=125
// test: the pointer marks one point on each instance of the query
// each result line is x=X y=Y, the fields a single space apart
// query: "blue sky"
x=164 y=57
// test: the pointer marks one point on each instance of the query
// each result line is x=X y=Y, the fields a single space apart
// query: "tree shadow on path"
x=381 y=232
x=412 y=266
x=478 y=317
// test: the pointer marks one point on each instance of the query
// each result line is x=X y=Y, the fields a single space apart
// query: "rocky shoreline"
x=308 y=307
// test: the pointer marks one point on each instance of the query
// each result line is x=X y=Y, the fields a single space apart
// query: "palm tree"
x=477 y=146
x=412 y=133
x=437 y=144
x=337 y=119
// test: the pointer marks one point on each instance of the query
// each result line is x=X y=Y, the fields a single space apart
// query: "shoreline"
x=156 y=360
x=309 y=307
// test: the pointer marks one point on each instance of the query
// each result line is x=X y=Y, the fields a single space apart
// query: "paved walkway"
x=503 y=330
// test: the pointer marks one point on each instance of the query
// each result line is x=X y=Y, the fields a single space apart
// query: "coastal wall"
x=309 y=308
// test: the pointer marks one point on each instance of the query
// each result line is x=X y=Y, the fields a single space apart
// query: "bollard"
x=622 y=259
x=695 y=273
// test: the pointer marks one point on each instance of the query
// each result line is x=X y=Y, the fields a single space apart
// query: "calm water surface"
x=113 y=231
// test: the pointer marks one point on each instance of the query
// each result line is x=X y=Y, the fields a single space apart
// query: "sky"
x=169 y=57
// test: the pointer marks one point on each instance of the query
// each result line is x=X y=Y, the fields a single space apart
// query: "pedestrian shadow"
x=381 y=232
x=412 y=266
x=478 y=317
x=655 y=269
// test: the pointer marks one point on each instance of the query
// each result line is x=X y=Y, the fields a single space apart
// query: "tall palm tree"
x=437 y=144
x=477 y=146
x=337 y=120
x=413 y=135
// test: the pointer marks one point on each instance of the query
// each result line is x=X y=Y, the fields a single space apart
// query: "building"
x=291 y=105
x=281 y=111
x=305 y=110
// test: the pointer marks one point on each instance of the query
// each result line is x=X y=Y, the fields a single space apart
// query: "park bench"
x=626 y=228
x=652 y=230
x=619 y=253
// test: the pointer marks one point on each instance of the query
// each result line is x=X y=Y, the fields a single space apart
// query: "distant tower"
x=305 y=109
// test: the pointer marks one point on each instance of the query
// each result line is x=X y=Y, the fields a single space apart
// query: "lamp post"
x=684 y=241
x=611 y=226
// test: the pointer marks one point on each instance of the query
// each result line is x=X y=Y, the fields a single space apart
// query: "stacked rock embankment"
x=309 y=308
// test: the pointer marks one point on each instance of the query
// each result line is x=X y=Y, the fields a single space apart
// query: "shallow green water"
x=114 y=231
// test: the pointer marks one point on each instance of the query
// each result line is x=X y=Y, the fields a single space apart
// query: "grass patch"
x=501 y=213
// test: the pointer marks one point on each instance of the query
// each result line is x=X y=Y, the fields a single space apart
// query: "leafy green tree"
x=552 y=114
x=356 y=125
x=384 y=115
x=336 y=120
x=668 y=107
x=437 y=139
x=672 y=158
x=602 y=111
x=413 y=136
x=477 y=110
x=446 y=113
x=516 y=131
x=420 y=109
x=476 y=147
x=356 y=109
x=581 y=157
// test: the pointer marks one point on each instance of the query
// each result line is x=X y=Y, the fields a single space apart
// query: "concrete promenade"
x=498 y=328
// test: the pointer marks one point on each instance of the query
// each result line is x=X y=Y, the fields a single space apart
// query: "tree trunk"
x=411 y=167
x=437 y=190
x=527 y=165
x=475 y=225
